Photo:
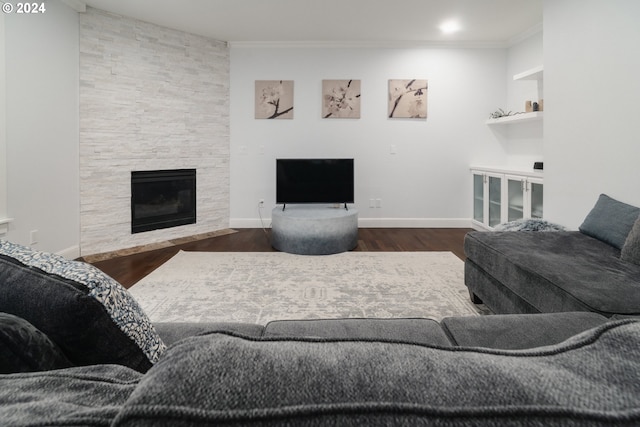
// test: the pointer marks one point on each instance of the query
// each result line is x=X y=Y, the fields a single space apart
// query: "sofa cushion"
x=421 y=331
x=23 y=348
x=610 y=221
x=590 y=379
x=90 y=316
x=631 y=249
x=172 y=332
x=78 y=396
x=557 y=272
x=518 y=331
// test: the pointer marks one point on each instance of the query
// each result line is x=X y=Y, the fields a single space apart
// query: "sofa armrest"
x=518 y=331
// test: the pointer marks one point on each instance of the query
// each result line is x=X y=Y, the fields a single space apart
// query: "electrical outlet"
x=34 y=237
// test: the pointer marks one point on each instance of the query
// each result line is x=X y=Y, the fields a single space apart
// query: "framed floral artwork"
x=274 y=99
x=341 y=99
x=407 y=99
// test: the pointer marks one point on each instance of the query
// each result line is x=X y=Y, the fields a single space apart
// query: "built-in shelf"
x=532 y=74
x=517 y=118
x=5 y=220
x=535 y=73
x=533 y=173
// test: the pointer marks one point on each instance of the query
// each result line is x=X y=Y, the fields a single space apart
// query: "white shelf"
x=517 y=118
x=532 y=74
x=507 y=171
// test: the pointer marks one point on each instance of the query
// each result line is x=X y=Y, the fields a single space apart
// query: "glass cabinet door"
x=478 y=197
x=515 y=199
x=500 y=197
x=495 y=200
x=536 y=199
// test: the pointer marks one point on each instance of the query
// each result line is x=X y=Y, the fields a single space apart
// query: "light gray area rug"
x=257 y=287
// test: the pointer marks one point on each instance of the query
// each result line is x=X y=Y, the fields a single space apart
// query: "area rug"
x=257 y=287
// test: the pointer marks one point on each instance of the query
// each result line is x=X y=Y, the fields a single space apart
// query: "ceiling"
x=332 y=21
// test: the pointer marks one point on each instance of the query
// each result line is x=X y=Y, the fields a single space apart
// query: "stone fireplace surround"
x=150 y=98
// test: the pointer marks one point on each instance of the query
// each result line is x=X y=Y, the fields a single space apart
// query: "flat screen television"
x=314 y=181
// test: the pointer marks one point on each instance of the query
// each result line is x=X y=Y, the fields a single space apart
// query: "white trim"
x=478 y=226
x=414 y=222
x=503 y=170
x=72 y=252
x=77 y=5
x=371 y=223
x=524 y=35
x=409 y=44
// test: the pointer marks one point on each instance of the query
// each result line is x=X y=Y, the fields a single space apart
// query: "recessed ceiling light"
x=449 y=27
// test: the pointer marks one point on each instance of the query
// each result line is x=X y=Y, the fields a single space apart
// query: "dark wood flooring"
x=131 y=268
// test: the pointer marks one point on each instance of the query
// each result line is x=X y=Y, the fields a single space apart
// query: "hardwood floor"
x=131 y=268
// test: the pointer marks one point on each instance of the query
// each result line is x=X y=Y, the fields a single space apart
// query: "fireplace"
x=162 y=199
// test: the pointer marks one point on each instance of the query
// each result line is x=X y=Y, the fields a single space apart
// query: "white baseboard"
x=72 y=252
x=414 y=222
x=249 y=223
x=371 y=223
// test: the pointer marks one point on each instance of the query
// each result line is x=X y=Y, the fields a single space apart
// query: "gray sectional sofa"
x=75 y=349
x=594 y=269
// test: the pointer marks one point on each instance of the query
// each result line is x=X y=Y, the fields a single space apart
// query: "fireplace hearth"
x=162 y=199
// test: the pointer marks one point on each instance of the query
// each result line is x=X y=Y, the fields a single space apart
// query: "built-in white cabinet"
x=487 y=198
x=501 y=196
x=524 y=197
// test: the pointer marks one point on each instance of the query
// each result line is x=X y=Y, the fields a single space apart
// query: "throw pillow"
x=610 y=221
x=529 y=224
x=23 y=348
x=631 y=249
x=88 y=314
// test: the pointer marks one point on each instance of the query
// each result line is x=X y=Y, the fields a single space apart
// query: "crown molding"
x=366 y=45
x=524 y=35
x=77 y=5
x=388 y=44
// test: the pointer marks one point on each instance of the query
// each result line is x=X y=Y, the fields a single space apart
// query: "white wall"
x=42 y=128
x=427 y=183
x=592 y=90
x=3 y=133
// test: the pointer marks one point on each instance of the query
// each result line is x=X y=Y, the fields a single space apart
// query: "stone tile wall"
x=150 y=98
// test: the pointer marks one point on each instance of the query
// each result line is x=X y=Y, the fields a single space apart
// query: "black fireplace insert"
x=162 y=199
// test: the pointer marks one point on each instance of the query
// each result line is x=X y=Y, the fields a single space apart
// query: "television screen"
x=314 y=181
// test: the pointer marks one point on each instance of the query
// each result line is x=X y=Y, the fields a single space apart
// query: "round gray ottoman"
x=314 y=229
